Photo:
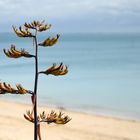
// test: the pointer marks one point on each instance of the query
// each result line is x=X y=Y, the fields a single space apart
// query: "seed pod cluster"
x=14 y=53
x=37 y=25
x=53 y=117
x=56 y=70
x=49 y=41
x=7 y=88
x=22 y=32
x=57 y=118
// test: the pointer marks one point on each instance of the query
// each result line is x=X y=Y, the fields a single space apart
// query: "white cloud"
x=92 y=10
x=64 y=8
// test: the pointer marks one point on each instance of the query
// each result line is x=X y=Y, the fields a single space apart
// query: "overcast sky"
x=73 y=15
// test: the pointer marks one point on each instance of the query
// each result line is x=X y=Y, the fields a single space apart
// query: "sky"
x=73 y=16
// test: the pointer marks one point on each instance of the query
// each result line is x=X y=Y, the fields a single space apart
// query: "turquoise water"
x=103 y=78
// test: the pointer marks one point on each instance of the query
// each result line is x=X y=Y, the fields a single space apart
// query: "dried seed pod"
x=38 y=26
x=34 y=24
x=43 y=115
x=21 y=90
x=22 y=33
x=50 y=42
x=56 y=70
x=44 y=27
x=14 y=53
x=7 y=88
x=58 y=118
x=53 y=117
x=28 y=116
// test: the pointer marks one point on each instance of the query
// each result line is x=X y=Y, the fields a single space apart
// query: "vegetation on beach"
x=31 y=30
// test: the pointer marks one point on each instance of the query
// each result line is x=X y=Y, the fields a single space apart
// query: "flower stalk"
x=35 y=89
x=30 y=30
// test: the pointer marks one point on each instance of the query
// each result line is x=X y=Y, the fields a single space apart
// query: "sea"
x=103 y=77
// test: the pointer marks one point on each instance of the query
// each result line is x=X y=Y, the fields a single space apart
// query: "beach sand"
x=13 y=126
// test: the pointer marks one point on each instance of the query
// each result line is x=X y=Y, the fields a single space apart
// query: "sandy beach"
x=13 y=126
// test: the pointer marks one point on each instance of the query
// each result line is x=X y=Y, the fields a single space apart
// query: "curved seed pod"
x=22 y=33
x=7 y=53
x=14 y=53
x=50 y=42
x=58 y=118
x=9 y=88
x=19 y=34
x=43 y=115
x=28 y=116
x=52 y=68
x=10 y=53
x=13 y=50
x=21 y=90
x=44 y=27
x=56 y=70
x=29 y=26
x=53 y=117
x=6 y=88
x=34 y=24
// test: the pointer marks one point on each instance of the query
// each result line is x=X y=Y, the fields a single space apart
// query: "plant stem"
x=35 y=89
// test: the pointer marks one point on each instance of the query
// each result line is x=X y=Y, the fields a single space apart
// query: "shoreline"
x=81 y=127
x=97 y=111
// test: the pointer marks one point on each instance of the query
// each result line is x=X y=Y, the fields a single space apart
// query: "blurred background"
x=100 y=43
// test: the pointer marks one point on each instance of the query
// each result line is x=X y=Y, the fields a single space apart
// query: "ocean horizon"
x=103 y=78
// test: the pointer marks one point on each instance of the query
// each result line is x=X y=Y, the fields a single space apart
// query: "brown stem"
x=35 y=89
